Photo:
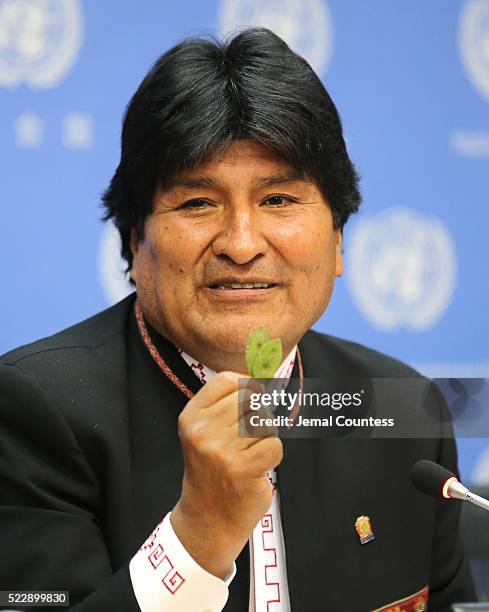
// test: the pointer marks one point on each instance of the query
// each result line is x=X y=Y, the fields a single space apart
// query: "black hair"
x=200 y=96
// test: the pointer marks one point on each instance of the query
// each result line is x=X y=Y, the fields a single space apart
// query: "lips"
x=239 y=286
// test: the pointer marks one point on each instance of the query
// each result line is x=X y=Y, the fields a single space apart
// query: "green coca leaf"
x=268 y=359
x=257 y=338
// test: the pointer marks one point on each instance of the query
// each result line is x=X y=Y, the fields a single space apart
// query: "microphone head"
x=432 y=478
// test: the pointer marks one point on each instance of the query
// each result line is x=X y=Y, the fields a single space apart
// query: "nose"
x=241 y=239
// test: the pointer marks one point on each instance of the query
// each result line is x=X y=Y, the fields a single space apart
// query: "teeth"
x=245 y=286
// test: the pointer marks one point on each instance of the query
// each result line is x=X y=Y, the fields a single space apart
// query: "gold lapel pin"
x=364 y=529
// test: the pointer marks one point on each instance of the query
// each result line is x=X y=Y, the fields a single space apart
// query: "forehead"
x=239 y=151
x=247 y=160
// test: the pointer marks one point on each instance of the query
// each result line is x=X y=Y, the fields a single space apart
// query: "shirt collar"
x=204 y=374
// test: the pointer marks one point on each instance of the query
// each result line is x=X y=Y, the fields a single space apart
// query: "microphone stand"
x=456 y=490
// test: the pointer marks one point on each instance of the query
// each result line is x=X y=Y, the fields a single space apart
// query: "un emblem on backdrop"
x=39 y=40
x=401 y=269
x=473 y=38
x=304 y=24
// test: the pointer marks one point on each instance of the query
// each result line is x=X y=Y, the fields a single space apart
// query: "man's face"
x=245 y=217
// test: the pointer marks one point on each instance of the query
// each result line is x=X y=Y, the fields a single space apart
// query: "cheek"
x=309 y=247
x=166 y=249
x=174 y=260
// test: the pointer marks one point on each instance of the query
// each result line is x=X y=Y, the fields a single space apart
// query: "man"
x=123 y=479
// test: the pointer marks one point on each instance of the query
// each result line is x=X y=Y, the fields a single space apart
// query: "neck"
x=220 y=363
x=204 y=373
x=216 y=360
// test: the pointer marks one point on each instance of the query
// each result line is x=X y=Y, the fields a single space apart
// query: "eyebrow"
x=199 y=182
x=279 y=179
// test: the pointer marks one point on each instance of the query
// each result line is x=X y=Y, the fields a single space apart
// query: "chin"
x=230 y=338
x=234 y=335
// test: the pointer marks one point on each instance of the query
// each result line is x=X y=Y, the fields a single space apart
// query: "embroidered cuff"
x=166 y=578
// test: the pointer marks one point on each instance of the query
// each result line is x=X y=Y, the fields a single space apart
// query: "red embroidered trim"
x=153 y=351
x=267 y=527
x=418 y=602
x=162 y=563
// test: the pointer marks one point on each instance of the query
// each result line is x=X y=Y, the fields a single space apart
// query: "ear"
x=134 y=251
x=339 y=254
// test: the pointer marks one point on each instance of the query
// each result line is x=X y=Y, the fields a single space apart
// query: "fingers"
x=222 y=385
x=234 y=406
x=255 y=425
x=227 y=414
x=265 y=454
x=243 y=415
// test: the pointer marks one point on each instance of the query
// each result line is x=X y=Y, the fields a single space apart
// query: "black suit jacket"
x=90 y=463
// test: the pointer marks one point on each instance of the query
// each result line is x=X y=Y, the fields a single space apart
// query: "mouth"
x=241 y=286
x=241 y=293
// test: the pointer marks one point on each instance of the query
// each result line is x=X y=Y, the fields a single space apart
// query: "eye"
x=279 y=201
x=194 y=204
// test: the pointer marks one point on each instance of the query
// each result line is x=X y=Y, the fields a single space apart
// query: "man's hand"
x=225 y=491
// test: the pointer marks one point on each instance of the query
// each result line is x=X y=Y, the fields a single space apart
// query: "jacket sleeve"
x=451 y=579
x=50 y=526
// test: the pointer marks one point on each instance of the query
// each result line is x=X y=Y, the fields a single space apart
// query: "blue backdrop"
x=411 y=81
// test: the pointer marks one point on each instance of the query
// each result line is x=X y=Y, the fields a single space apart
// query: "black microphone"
x=434 y=479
